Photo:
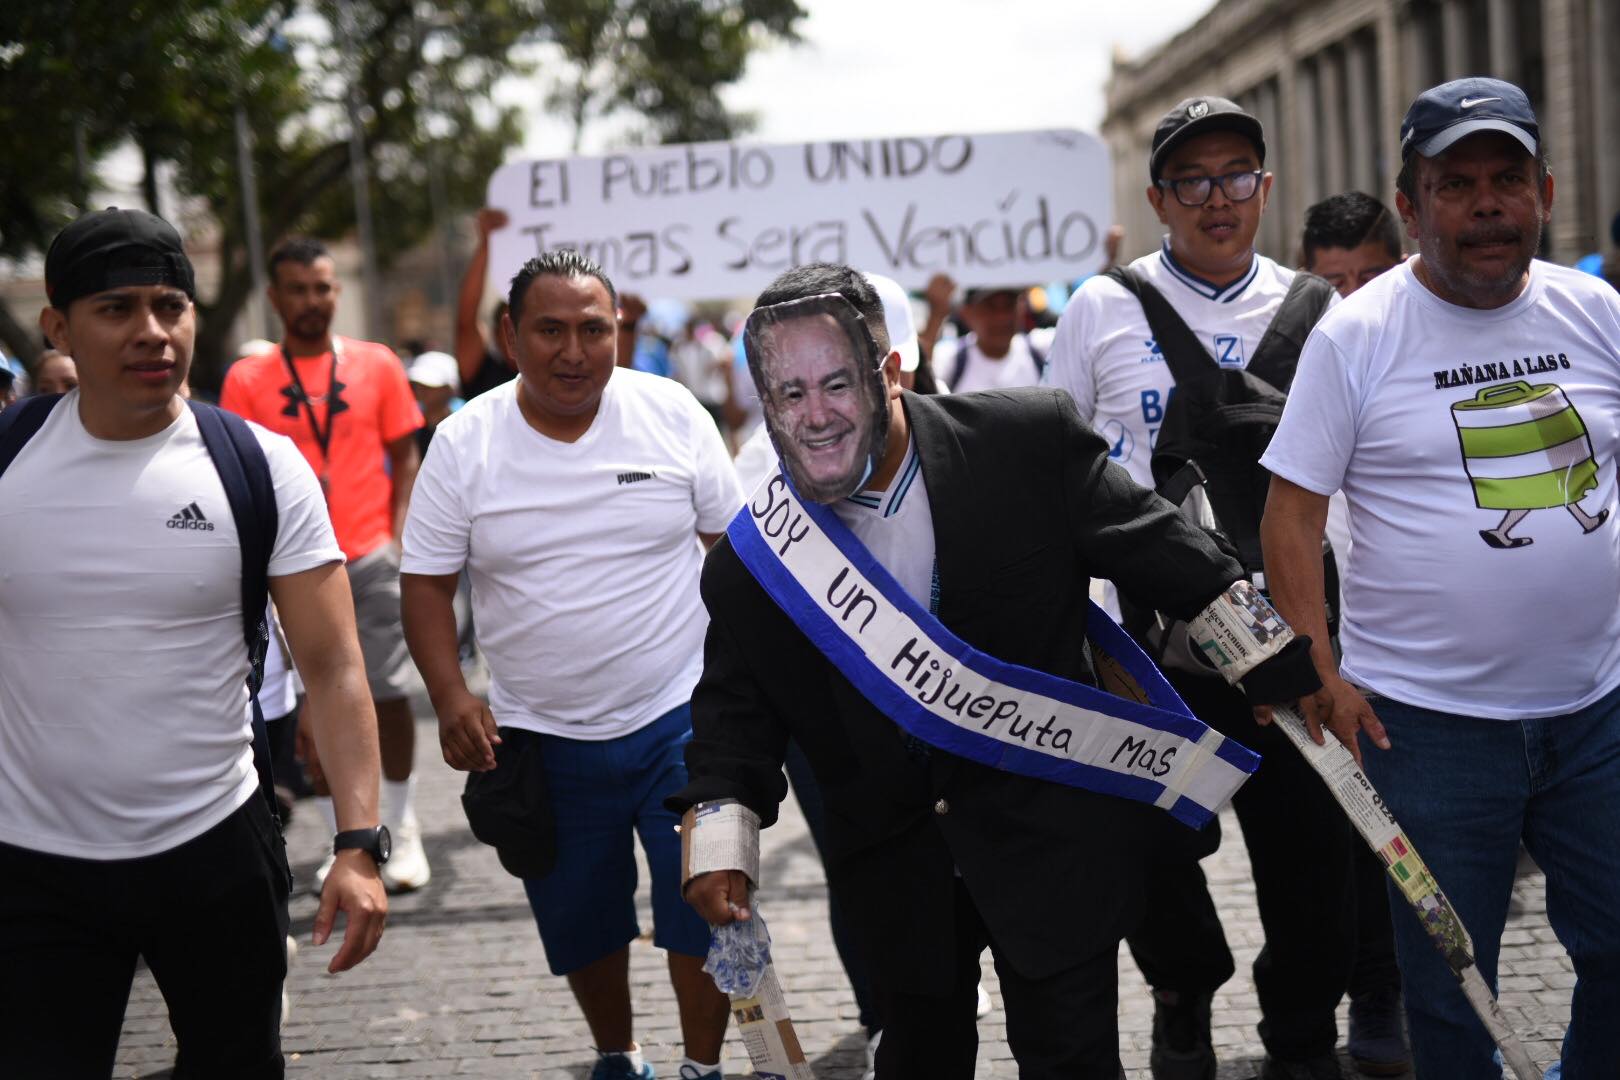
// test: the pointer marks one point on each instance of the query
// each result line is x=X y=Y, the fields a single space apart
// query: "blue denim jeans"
x=1467 y=790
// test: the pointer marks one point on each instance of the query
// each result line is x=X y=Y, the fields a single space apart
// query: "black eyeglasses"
x=1195 y=190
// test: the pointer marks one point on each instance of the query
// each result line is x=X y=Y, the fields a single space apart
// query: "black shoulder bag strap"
x=19 y=423
x=1277 y=355
x=1183 y=353
x=244 y=472
x=959 y=361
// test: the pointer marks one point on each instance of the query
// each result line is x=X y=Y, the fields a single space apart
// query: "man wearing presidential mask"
x=909 y=603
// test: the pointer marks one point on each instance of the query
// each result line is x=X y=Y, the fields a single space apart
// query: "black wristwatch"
x=374 y=842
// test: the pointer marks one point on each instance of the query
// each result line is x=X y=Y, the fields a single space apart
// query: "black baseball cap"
x=113 y=248
x=1454 y=110
x=983 y=292
x=1200 y=116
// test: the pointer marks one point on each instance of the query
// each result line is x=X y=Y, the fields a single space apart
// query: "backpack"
x=1216 y=426
x=959 y=361
x=244 y=472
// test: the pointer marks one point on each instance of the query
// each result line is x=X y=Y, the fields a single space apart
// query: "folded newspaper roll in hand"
x=1241 y=635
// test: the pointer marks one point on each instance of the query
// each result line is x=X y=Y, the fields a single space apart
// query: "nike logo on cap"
x=1470 y=102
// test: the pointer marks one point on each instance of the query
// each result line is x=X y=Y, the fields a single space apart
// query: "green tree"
x=665 y=60
x=79 y=78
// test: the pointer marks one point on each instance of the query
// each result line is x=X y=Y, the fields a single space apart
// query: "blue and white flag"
x=961 y=700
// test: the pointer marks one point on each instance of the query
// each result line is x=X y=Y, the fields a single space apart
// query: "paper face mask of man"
x=820 y=381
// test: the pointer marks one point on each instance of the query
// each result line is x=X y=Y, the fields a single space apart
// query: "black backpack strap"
x=1183 y=353
x=1277 y=355
x=19 y=423
x=958 y=362
x=1037 y=354
x=244 y=472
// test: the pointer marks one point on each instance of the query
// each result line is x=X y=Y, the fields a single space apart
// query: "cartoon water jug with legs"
x=1525 y=448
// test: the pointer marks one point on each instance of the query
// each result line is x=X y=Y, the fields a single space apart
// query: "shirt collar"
x=1224 y=294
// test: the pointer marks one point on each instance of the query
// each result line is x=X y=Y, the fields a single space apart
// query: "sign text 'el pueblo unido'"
x=710 y=220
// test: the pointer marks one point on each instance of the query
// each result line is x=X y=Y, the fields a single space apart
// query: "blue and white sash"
x=958 y=699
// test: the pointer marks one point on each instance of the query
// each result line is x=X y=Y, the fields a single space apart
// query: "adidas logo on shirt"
x=191 y=517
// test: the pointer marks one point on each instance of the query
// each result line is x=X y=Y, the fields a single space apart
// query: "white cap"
x=435 y=369
x=897 y=314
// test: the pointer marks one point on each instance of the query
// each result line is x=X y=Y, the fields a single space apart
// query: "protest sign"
x=717 y=220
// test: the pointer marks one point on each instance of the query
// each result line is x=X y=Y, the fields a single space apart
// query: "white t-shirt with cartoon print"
x=1477 y=450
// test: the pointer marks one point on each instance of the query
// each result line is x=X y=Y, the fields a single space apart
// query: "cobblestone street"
x=460 y=987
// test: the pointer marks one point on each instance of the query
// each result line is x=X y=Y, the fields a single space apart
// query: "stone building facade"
x=1331 y=79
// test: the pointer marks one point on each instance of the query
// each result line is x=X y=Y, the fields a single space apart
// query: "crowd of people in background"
x=532 y=500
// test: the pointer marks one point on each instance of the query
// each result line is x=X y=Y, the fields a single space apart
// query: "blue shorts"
x=600 y=791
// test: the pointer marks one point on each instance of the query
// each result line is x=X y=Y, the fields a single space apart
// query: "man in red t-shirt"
x=349 y=407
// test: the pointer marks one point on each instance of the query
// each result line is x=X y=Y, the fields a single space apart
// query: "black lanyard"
x=300 y=396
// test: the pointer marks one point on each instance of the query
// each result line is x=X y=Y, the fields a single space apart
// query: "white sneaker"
x=292 y=949
x=871 y=1057
x=321 y=871
x=983 y=1009
x=407 y=866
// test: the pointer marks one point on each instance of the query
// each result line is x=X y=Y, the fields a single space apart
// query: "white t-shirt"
x=1105 y=354
x=123 y=727
x=1442 y=424
x=1106 y=357
x=897 y=527
x=583 y=556
x=1017 y=368
x=895 y=524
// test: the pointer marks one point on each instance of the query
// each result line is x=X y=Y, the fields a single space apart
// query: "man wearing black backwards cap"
x=1209 y=187
x=1468 y=405
x=131 y=819
x=963 y=818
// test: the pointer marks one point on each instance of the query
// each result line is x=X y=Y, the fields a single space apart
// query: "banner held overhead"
x=712 y=220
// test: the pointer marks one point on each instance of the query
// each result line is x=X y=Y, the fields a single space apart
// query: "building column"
x=1309 y=118
x=1330 y=90
x=1454 y=39
x=1572 y=232
x=1275 y=230
x=1289 y=205
x=1392 y=100
x=1361 y=92
x=1502 y=30
x=1603 y=39
x=1414 y=58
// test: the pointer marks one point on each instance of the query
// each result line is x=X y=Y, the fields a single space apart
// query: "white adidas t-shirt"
x=979 y=372
x=583 y=556
x=123 y=728
x=1441 y=423
x=1106 y=357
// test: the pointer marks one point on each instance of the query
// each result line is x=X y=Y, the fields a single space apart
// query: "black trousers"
x=1300 y=848
x=808 y=791
x=1065 y=1026
x=209 y=917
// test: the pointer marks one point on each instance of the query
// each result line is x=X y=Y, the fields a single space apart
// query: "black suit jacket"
x=1027 y=509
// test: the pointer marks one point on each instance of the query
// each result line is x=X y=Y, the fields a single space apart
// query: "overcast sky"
x=899 y=67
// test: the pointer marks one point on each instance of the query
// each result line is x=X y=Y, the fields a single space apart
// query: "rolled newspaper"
x=1373 y=819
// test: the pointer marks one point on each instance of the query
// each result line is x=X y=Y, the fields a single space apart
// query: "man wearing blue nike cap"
x=1460 y=400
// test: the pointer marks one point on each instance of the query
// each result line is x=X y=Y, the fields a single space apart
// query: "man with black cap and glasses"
x=1201 y=307
x=1467 y=403
x=133 y=822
